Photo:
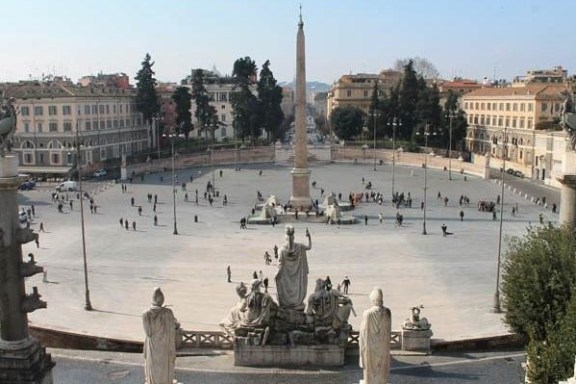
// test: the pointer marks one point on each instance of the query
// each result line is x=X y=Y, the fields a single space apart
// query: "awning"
x=31 y=169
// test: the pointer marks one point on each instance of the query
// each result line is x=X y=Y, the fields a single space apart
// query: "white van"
x=69 y=185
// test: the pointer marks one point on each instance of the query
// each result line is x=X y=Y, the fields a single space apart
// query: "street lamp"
x=450 y=116
x=87 y=304
x=394 y=122
x=426 y=134
x=374 y=115
x=496 y=307
x=172 y=139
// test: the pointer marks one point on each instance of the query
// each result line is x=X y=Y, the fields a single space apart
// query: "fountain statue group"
x=297 y=319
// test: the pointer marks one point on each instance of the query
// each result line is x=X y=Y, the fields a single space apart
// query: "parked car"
x=518 y=174
x=27 y=185
x=69 y=185
x=100 y=173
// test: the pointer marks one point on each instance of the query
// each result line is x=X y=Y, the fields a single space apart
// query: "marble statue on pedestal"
x=7 y=124
x=160 y=345
x=375 y=332
x=328 y=308
x=292 y=276
x=234 y=318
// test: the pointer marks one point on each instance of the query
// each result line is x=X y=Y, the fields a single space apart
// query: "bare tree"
x=421 y=65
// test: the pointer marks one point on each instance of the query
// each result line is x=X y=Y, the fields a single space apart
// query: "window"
x=102 y=124
x=86 y=109
x=94 y=124
x=521 y=154
x=25 y=111
x=52 y=111
x=488 y=105
x=41 y=158
x=115 y=123
x=223 y=117
x=223 y=132
x=107 y=109
x=501 y=106
x=529 y=126
x=101 y=109
x=466 y=105
x=39 y=126
x=507 y=107
x=482 y=106
x=121 y=108
x=522 y=122
x=122 y=123
x=349 y=93
x=544 y=107
x=530 y=107
x=67 y=126
x=108 y=124
x=475 y=119
x=38 y=110
x=27 y=158
x=94 y=109
x=223 y=106
x=482 y=119
x=514 y=122
x=88 y=125
x=515 y=107
x=365 y=93
x=55 y=158
x=522 y=107
x=500 y=121
x=476 y=106
x=26 y=127
x=114 y=108
x=53 y=126
x=556 y=107
x=66 y=110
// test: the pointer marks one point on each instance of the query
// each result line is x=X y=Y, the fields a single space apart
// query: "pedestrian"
x=34 y=210
x=421 y=205
x=444 y=229
x=126 y=224
x=513 y=211
x=225 y=201
x=346 y=284
x=328 y=283
x=155 y=220
x=267 y=258
x=275 y=251
x=155 y=198
x=380 y=217
x=494 y=215
x=541 y=218
x=229 y=274
x=461 y=215
x=365 y=219
x=498 y=199
x=254 y=275
x=29 y=213
x=134 y=225
x=196 y=197
x=154 y=208
x=243 y=223
x=37 y=241
x=132 y=201
x=265 y=282
x=186 y=197
x=42 y=227
x=553 y=208
x=121 y=222
x=296 y=213
x=140 y=211
x=221 y=173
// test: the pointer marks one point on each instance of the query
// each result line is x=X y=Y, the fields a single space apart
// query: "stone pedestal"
x=568 y=200
x=22 y=359
x=416 y=340
x=288 y=356
x=300 y=188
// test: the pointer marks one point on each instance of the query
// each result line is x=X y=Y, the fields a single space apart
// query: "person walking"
x=346 y=284
x=461 y=215
x=380 y=217
x=275 y=251
x=140 y=211
x=42 y=227
x=155 y=220
x=134 y=225
x=365 y=219
x=121 y=222
x=126 y=224
x=229 y=274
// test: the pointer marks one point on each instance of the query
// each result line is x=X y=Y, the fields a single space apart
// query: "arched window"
x=54 y=144
x=27 y=144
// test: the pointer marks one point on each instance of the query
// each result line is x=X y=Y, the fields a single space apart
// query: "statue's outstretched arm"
x=309 y=240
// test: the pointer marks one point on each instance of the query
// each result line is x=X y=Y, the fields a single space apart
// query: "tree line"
x=255 y=101
x=411 y=105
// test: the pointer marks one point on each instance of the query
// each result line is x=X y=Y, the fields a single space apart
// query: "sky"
x=465 y=38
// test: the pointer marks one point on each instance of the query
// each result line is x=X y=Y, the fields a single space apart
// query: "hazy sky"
x=468 y=38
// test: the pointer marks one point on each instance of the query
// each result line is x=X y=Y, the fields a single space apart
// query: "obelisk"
x=300 y=173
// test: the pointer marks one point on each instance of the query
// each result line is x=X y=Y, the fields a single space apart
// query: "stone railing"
x=220 y=340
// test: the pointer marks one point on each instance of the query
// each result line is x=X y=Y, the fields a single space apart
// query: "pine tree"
x=270 y=98
x=147 y=101
x=183 y=101
x=201 y=99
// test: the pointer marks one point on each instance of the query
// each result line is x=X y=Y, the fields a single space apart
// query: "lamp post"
x=87 y=304
x=174 y=185
x=450 y=116
x=426 y=134
x=374 y=115
x=496 y=307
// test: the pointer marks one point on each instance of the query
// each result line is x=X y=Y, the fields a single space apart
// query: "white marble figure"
x=160 y=344
x=292 y=276
x=236 y=313
x=375 y=332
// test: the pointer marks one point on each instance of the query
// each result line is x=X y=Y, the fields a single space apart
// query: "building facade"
x=529 y=115
x=356 y=90
x=50 y=113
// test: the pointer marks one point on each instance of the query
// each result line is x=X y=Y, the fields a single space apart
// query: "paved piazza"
x=452 y=277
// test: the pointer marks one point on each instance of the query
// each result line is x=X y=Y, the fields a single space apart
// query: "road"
x=478 y=368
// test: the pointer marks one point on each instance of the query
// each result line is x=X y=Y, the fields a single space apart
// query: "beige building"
x=356 y=90
x=530 y=115
x=49 y=112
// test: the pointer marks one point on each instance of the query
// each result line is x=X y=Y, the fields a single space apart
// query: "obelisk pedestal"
x=300 y=173
x=22 y=359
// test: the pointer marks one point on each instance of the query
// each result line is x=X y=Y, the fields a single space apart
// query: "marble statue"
x=568 y=120
x=375 y=332
x=415 y=322
x=328 y=308
x=7 y=124
x=260 y=307
x=236 y=313
x=160 y=345
x=292 y=276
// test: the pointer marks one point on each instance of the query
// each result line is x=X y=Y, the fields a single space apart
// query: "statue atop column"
x=7 y=124
x=568 y=119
